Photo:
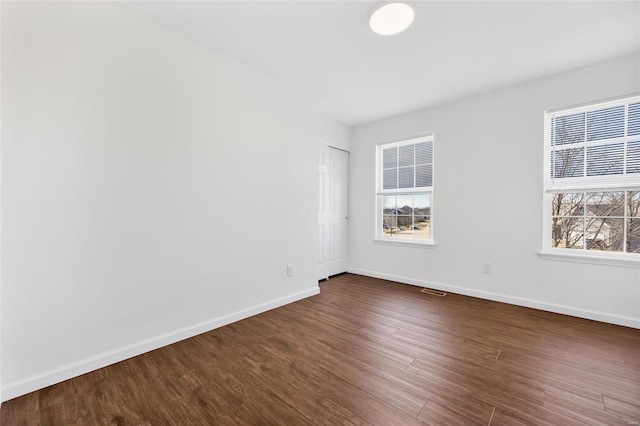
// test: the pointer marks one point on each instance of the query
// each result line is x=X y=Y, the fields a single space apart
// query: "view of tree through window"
x=593 y=177
x=597 y=221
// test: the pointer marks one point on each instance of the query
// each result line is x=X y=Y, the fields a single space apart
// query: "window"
x=592 y=179
x=405 y=191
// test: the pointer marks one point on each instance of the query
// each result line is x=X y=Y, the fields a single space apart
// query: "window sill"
x=622 y=260
x=405 y=243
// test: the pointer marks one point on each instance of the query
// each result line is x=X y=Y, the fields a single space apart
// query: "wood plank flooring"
x=365 y=352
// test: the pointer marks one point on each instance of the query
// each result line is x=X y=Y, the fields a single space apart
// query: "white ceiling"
x=453 y=49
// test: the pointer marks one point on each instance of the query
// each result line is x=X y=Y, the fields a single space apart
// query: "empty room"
x=320 y=212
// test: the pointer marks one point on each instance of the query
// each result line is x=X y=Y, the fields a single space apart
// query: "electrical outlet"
x=486 y=268
x=289 y=270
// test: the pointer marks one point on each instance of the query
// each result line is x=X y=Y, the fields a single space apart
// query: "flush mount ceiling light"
x=391 y=18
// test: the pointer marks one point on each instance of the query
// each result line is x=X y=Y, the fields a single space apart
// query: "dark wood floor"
x=365 y=351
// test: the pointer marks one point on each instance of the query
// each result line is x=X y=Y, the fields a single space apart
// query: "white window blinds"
x=596 y=146
x=407 y=166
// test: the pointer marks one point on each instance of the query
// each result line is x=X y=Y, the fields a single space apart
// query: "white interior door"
x=333 y=211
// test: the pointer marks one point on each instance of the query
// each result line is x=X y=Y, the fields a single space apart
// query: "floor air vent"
x=433 y=292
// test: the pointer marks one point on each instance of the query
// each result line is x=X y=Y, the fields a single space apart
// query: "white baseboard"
x=69 y=371
x=536 y=304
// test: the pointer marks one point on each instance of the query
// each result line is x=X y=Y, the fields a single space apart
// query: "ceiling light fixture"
x=391 y=18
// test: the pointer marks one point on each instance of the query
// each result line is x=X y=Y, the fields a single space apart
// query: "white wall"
x=151 y=189
x=334 y=133
x=487 y=200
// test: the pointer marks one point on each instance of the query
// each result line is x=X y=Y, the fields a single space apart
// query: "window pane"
x=604 y=234
x=567 y=232
x=557 y=231
x=390 y=179
x=605 y=123
x=605 y=160
x=568 y=204
x=633 y=235
x=389 y=226
x=568 y=129
x=406 y=177
x=405 y=156
x=422 y=216
x=405 y=205
x=633 y=157
x=605 y=204
x=633 y=204
x=633 y=122
x=390 y=217
x=424 y=176
x=389 y=158
x=404 y=226
x=407 y=216
x=422 y=206
x=389 y=205
x=422 y=228
x=424 y=153
x=568 y=163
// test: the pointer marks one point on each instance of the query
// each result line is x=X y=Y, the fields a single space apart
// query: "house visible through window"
x=592 y=178
x=405 y=190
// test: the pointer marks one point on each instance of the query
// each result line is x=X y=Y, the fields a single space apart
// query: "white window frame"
x=612 y=183
x=380 y=193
